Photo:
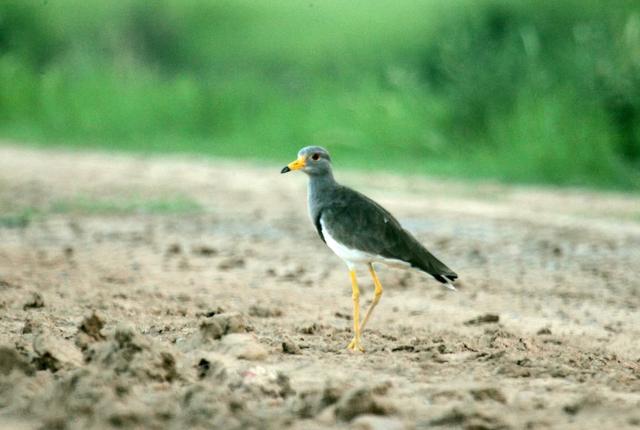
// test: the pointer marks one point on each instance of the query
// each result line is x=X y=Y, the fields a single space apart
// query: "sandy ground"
x=237 y=315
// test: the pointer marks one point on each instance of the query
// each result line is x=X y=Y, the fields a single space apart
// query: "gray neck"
x=318 y=191
x=322 y=182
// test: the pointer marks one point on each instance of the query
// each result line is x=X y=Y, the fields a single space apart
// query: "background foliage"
x=528 y=91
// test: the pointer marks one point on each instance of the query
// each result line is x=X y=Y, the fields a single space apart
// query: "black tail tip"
x=445 y=279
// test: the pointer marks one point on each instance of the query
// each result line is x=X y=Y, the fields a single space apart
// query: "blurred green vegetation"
x=122 y=206
x=534 y=91
x=17 y=219
x=20 y=217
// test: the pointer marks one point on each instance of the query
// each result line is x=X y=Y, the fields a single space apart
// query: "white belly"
x=353 y=257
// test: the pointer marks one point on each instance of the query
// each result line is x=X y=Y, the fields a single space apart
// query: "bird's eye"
x=315 y=157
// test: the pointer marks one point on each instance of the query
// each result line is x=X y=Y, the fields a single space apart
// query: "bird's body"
x=355 y=257
x=360 y=231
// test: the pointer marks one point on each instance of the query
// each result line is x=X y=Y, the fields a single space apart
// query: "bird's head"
x=312 y=160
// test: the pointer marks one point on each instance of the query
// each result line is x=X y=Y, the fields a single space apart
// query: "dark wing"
x=318 y=225
x=360 y=223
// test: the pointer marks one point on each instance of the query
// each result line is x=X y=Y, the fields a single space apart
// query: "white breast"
x=350 y=256
x=353 y=257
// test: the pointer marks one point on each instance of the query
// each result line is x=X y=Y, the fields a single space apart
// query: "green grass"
x=85 y=205
x=519 y=91
x=19 y=219
x=125 y=206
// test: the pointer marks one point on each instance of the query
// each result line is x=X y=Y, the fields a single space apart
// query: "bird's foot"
x=355 y=345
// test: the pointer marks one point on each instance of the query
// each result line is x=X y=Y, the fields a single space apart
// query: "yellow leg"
x=376 y=297
x=355 y=343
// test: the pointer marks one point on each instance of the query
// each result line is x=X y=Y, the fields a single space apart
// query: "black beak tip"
x=285 y=169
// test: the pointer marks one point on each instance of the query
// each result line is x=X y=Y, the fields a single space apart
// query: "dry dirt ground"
x=174 y=293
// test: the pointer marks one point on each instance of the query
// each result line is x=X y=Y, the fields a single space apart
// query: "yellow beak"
x=295 y=165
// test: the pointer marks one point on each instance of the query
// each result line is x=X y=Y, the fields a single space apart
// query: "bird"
x=361 y=232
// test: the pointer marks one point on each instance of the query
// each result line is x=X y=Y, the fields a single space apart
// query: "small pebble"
x=34 y=301
x=290 y=347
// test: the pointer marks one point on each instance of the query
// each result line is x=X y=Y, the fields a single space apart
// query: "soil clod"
x=360 y=401
x=34 y=301
x=483 y=319
x=222 y=324
x=290 y=347
x=264 y=312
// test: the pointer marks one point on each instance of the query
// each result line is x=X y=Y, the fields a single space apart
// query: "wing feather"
x=360 y=223
x=318 y=225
